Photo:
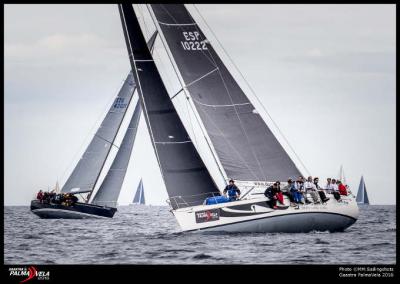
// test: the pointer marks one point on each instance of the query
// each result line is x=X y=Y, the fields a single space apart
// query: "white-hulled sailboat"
x=242 y=144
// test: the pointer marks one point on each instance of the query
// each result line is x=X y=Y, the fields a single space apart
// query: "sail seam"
x=232 y=105
x=175 y=142
x=111 y=143
x=202 y=77
x=176 y=24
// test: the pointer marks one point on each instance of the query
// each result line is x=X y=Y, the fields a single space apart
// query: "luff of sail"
x=362 y=196
x=86 y=173
x=109 y=191
x=139 y=195
x=246 y=147
x=182 y=169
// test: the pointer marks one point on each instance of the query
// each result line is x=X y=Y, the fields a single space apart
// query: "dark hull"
x=77 y=211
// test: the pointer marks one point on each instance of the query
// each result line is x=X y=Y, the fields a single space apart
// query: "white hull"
x=252 y=215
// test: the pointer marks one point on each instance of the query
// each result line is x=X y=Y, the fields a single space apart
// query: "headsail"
x=362 y=196
x=183 y=171
x=139 y=195
x=88 y=169
x=246 y=147
x=108 y=193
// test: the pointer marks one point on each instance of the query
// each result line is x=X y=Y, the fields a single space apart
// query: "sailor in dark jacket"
x=232 y=190
x=271 y=192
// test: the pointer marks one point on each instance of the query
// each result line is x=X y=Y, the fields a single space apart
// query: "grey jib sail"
x=87 y=171
x=139 y=195
x=246 y=147
x=108 y=193
x=183 y=171
x=362 y=196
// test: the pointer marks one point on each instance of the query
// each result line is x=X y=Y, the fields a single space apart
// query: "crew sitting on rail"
x=342 y=188
x=232 y=191
x=321 y=191
x=310 y=188
x=39 y=196
x=272 y=194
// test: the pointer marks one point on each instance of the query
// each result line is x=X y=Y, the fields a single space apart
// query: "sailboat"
x=85 y=176
x=139 y=195
x=241 y=143
x=362 y=196
x=341 y=175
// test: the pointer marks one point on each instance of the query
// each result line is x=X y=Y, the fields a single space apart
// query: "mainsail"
x=246 y=147
x=362 y=196
x=88 y=169
x=139 y=195
x=182 y=169
x=108 y=193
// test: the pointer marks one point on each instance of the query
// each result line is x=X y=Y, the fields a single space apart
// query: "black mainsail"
x=108 y=193
x=244 y=144
x=362 y=196
x=183 y=171
x=87 y=171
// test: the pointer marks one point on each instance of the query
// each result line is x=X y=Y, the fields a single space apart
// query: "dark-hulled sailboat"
x=245 y=148
x=86 y=174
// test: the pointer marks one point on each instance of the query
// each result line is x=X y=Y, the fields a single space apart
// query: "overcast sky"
x=325 y=73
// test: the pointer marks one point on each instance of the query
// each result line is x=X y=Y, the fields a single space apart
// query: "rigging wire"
x=251 y=89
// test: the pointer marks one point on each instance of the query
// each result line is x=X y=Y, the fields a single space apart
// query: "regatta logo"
x=27 y=274
x=119 y=103
x=207 y=216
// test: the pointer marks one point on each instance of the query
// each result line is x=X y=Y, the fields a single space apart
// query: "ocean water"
x=150 y=235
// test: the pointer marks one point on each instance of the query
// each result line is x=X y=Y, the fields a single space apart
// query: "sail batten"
x=176 y=160
x=242 y=141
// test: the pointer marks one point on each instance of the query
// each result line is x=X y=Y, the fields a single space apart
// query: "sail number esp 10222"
x=192 y=41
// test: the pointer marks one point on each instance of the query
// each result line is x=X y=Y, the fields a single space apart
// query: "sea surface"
x=150 y=235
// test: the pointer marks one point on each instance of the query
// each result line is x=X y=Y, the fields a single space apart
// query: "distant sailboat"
x=139 y=195
x=341 y=175
x=362 y=196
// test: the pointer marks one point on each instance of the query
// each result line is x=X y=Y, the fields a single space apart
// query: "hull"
x=77 y=211
x=255 y=216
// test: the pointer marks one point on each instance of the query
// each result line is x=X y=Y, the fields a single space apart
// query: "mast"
x=186 y=178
